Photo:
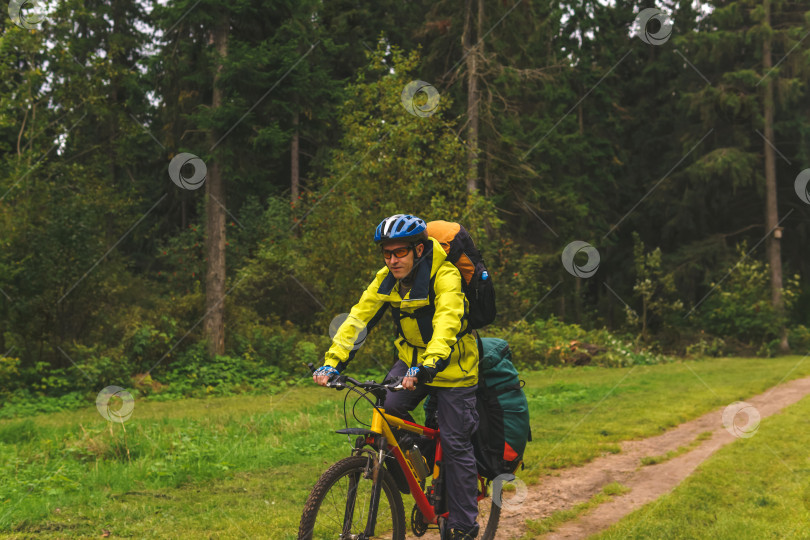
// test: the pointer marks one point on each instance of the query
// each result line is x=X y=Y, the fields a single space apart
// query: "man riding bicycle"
x=434 y=349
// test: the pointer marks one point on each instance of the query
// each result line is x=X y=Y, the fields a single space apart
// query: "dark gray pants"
x=458 y=420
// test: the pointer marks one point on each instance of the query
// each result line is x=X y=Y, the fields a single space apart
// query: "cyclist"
x=434 y=348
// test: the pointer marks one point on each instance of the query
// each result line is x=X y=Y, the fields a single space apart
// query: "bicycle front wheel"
x=338 y=505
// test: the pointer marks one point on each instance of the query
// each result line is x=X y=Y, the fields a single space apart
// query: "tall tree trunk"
x=215 y=225
x=488 y=190
x=294 y=170
x=116 y=62
x=472 y=100
x=771 y=210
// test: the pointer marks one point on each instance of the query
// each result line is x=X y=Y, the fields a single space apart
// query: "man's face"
x=401 y=266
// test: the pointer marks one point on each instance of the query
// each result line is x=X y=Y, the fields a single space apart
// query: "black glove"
x=423 y=374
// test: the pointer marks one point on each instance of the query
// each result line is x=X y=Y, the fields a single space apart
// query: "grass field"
x=243 y=466
x=753 y=488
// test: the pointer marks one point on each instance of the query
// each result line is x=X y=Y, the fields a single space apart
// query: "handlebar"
x=339 y=382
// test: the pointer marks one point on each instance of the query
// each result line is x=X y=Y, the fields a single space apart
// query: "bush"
x=706 y=346
x=553 y=343
x=799 y=339
x=740 y=306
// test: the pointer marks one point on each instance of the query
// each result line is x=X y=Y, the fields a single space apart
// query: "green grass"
x=752 y=488
x=205 y=467
x=561 y=516
x=654 y=460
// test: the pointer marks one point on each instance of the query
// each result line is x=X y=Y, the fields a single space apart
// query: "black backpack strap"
x=395 y=312
x=423 y=316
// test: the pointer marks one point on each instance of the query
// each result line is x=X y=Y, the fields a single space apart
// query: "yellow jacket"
x=432 y=321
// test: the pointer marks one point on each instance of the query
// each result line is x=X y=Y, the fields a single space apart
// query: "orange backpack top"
x=476 y=281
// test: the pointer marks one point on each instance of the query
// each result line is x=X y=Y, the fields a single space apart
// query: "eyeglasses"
x=398 y=253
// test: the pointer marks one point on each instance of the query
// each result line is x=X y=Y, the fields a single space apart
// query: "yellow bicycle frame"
x=380 y=423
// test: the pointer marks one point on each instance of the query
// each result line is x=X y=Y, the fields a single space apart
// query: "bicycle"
x=332 y=509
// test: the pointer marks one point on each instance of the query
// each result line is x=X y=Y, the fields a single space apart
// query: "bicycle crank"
x=418 y=523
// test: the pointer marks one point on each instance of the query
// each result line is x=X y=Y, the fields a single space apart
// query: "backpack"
x=503 y=412
x=475 y=280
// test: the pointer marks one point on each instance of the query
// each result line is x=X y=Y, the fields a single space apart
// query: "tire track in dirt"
x=578 y=484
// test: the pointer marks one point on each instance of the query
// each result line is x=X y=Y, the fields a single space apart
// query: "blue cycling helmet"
x=401 y=227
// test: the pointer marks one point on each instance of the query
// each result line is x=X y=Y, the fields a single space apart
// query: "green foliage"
x=740 y=304
x=18 y=432
x=655 y=289
x=553 y=343
x=102 y=258
x=706 y=346
x=799 y=338
x=9 y=372
x=389 y=161
x=25 y=403
x=522 y=278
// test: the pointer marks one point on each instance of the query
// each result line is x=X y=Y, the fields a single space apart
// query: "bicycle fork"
x=376 y=486
x=376 y=462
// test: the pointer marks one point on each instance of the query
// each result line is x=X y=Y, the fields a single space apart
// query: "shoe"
x=456 y=534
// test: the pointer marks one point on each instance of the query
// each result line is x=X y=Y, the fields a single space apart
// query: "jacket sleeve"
x=353 y=331
x=449 y=320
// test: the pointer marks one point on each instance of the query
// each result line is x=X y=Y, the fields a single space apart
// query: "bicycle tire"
x=488 y=520
x=319 y=517
x=493 y=519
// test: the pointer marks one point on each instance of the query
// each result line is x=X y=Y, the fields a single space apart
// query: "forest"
x=189 y=189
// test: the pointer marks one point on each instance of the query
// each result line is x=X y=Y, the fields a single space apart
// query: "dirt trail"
x=578 y=484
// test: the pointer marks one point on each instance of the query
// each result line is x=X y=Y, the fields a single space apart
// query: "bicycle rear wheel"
x=489 y=515
x=344 y=490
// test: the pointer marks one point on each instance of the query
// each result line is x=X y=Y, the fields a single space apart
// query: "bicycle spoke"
x=351 y=499
x=344 y=507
